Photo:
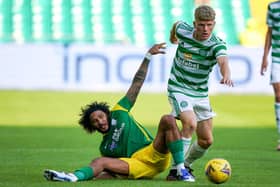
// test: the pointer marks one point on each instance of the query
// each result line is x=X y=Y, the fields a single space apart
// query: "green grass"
x=27 y=151
x=39 y=130
x=43 y=108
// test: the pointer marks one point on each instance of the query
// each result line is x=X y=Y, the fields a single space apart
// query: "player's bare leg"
x=168 y=138
x=276 y=88
x=204 y=141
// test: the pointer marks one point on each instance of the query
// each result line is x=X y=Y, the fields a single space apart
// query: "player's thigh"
x=188 y=118
x=112 y=164
x=276 y=88
x=147 y=162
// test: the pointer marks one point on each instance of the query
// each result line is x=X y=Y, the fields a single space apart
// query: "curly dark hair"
x=87 y=110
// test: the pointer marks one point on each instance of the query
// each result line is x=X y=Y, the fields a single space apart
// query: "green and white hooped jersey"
x=193 y=62
x=273 y=21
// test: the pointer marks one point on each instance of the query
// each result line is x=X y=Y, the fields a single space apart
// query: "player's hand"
x=264 y=66
x=158 y=49
x=227 y=82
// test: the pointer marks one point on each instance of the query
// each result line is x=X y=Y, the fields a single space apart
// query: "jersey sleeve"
x=220 y=49
x=182 y=29
x=177 y=26
x=269 y=16
x=124 y=104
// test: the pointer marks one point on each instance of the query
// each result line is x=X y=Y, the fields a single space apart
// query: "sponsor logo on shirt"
x=116 y=137
x=188 y=62
x=188 y=56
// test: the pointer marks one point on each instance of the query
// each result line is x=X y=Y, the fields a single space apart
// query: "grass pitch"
x=39 y=130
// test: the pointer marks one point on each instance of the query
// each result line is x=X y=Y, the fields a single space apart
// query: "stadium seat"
x=62 y=20
x=42 y=20
x=6 y=23
x=231 y=18
x=81 y=20
x=139 y=22
x=22 y=20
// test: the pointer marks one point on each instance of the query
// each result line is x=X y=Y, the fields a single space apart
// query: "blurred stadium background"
x=137 y=22
x=92 y=44
x=95 y=45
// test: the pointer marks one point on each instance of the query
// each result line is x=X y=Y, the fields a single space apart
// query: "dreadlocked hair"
x=87 y=110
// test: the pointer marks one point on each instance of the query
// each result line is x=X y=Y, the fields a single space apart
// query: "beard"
x=109 y=126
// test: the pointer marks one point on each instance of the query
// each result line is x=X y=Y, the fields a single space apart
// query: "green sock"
x=84 y=173
x=177 y=151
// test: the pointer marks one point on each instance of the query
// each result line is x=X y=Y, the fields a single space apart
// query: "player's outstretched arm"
x=141 y=73
x=225 y=71
x=266 y=50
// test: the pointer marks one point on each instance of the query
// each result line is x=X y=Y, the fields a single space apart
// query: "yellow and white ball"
x=218 y=170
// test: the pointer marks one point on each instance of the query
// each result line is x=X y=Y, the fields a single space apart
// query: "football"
x=218 y=170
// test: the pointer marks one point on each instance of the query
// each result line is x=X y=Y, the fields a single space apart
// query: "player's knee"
x=168 y=121
x=205 y=143
x=189 y=124
x=277 y=98
x=98 y=161
x=165 y=119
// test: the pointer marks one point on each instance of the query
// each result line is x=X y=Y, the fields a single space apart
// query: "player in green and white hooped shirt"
x=127 y=148
x=197 y=52
x=272 y=39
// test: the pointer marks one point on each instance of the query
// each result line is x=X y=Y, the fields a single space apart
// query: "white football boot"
x=53 y=175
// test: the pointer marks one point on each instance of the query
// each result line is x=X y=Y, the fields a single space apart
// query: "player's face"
x=99 y=120
x=203 y=29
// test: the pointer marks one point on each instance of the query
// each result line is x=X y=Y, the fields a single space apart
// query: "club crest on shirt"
x=184 y=104
x=114 y=122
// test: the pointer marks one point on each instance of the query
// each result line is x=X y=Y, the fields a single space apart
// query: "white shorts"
x=200 y=106
x=275 y=73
